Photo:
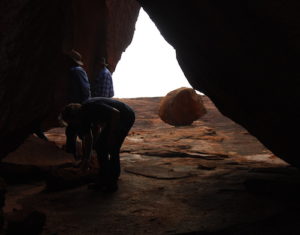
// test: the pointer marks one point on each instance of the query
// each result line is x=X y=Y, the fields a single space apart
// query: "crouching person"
x=115 y=119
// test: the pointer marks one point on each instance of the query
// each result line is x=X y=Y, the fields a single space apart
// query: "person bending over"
x=115 y=119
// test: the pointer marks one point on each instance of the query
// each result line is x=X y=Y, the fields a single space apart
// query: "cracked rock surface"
x=212 y=177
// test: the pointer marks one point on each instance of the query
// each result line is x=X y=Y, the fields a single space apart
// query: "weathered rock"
x=238 y=54
x=66 y=178
x=37 y=152
x=181 y=107
x=33 y=73
x=60 y=178
x=2 y=192
x=2 y=201
x=17 y=173
x=25 y=222
x=157 y=198
x=32 y=159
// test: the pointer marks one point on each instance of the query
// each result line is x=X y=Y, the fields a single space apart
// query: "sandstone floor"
x=212 y=177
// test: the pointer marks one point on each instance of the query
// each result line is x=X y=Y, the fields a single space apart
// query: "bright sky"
x=148 y=67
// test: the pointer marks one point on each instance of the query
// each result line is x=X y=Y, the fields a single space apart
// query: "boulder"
x=181 y=107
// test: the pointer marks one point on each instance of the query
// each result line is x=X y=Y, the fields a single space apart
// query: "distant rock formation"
x=181 y=107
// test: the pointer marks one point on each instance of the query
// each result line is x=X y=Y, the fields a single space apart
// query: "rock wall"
x=100 y=28
x=243 y=55
x=33 y=37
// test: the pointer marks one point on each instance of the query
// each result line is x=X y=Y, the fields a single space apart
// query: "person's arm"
x=71 y=136
x=84 y=84
x=87 y=146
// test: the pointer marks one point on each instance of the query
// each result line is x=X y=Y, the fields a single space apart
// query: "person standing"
x=103 y=85
x=79 y=92
x=79 y=83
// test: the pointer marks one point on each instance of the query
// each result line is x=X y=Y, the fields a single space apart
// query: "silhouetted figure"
x=103 y=85
x=79 y=83
x=78 y=93
x=115 y=119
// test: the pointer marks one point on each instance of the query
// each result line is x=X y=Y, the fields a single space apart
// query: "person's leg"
x=96 y=130
x=71 y=136
x=102 y=156
x=126 y=124
x=109 y=162
x=109 y=169
x=105 y=181
x=114 y=160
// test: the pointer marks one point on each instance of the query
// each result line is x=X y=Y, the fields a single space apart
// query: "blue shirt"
x=103 y=86
x=80 y=85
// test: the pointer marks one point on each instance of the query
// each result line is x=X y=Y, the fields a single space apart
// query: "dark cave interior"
x=242 y=55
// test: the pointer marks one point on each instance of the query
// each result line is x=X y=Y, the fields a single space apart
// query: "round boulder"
x=181 y=107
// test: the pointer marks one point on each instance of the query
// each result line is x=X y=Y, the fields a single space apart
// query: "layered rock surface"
x=209 y=178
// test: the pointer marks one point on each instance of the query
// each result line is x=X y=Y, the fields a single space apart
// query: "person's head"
x=71 y=114
x=75 y=56
x=102 y=62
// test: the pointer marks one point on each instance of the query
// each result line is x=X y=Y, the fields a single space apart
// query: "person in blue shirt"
x=79 y=82
x=79 y=91
x=103 y=85
x=116 y=119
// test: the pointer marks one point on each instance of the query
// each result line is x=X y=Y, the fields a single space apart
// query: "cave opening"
x=148 y=67
x=211 y=176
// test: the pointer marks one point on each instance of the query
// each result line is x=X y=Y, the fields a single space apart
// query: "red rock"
x=181 y=107
x=40 y=153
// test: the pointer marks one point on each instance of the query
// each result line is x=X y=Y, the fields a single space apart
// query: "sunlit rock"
x=181 y=107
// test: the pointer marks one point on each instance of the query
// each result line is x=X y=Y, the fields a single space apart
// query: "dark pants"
x=109 y=161
x=71 y=140
x=71 y=134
